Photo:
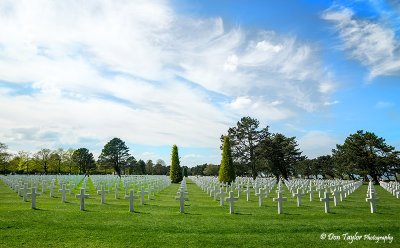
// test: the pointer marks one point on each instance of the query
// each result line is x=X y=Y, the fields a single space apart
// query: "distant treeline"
x=255 y=152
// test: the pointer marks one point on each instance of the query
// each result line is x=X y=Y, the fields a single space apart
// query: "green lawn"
x=158 y=223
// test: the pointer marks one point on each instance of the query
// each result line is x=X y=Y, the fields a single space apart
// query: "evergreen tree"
x=226 y=170
x=115 y=154
x=175 y=172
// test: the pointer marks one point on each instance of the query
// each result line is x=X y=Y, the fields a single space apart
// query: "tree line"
x=253 y=151
x=115 y=157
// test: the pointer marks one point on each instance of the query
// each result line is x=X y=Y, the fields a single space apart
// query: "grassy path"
x=158 y=223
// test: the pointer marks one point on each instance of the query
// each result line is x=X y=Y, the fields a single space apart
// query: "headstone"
x=231 y=199
x=280 y=200
x=221 y=195
x=82 y=196
x=326 y=199
x=372 y=201
x=336 y=197
x=33 y=196
x=25 y=190
x=116 y=190
x=102 y=192
x=131 y=197
x=63 y=190
x=142 y=193
x=298 y=195
x=52 y=187
x=248 y=192
x=260 y=195
x=182 y=200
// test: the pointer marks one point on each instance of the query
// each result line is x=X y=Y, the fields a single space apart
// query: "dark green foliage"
x=244 y=138
x=367 y=154
x=280 y=154
x=160 y=168
x=131 y=161
x=149 y=167
x=184 y=171
x=226 y=170
x=198 y=170
x=211 y=170
x=4 y=157
x=84 y=159
x=141 y=167
x=115 y=154
x=175 y=171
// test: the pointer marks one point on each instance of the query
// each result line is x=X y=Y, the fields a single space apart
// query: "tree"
x=160 y=168
x=84 y=159
x=149 y=167
x=43 y=157
x=68 y=160
x=211 y=170
x=115 y=153
x=198 y=170
x=23 y=161
x=131 y=164
x=57 y=160
x=184 y=171
x=175 y=171
x=280 y=153
x=4 y=156
x=369 y=154
x=244 y=138
x=226 y=170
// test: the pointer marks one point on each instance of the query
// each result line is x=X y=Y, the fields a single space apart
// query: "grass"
x=158 y=223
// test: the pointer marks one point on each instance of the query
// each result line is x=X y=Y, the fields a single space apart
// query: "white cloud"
x=103 y=69
x=383 y=104
x=373 y=44
x=191 y=156
x=317 y=143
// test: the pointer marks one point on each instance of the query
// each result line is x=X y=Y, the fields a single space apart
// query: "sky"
x=158 y=73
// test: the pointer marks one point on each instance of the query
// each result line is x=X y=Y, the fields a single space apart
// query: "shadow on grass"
x=241 y=214
x=191 y=214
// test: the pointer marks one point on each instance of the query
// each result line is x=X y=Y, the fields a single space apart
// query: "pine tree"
x=226 y=170
x=175 y=172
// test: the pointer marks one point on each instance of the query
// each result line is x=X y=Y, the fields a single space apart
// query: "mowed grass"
x=158 y=223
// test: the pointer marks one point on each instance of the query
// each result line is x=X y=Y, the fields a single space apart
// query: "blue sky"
x=157 y=73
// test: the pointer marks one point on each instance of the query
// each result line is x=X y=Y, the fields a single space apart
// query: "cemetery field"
x=158 y=223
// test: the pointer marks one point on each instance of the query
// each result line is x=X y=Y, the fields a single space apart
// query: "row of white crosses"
x=20 y=184
x=338 y=188
x=371 y=193
x=392 y=187
x=182 y=192
x=215 y=189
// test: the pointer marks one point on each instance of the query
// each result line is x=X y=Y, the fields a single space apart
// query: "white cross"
x=102 y=192
x=33 y=196
x=52 y=187
x=248 y=192
x=231 y=199
x=63 y=190
x=298 y=195
x=221 y=195
x=280 y=200
x=326 y=199
x=116 y=190
x=43 y=186
x=149 y=189
x=336 y=197
x=260 y=195
x=372 y=201
x=182 y=200
x=131 y=197
x=142 y=193
x=311 y=191
x=82 y=196
x=25 y=189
